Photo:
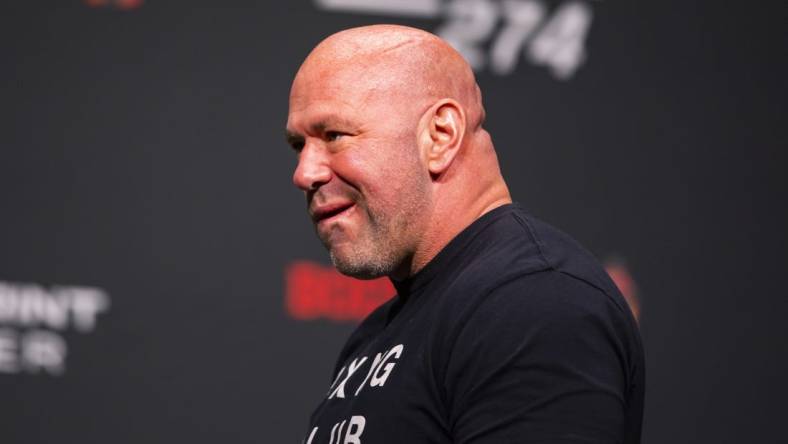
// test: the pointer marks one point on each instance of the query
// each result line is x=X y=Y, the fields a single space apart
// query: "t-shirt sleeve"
x=541 y=359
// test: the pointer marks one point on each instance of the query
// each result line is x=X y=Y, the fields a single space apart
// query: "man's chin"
x=356 y=267
x=335 y=242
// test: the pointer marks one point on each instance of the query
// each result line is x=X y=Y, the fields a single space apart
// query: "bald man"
x=503 y=329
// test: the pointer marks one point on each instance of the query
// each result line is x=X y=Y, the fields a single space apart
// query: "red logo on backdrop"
x=316 y=291
x=620 y=275
x=124 y=5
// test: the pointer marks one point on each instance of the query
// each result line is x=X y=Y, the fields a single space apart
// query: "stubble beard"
x=387 y=238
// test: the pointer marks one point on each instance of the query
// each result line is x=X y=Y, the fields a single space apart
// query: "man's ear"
x=442 y=134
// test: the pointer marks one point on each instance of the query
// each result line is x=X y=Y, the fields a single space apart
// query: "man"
x=503 y=329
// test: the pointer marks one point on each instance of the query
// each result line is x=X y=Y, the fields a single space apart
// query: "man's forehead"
x=350 y=82
x=319 y=121
x=356 y=76
x=326 y=108
x=334 y=99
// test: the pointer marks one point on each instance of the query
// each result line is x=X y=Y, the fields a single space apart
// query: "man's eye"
x=333 y=135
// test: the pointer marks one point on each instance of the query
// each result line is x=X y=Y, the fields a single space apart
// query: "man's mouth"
x=328 y=213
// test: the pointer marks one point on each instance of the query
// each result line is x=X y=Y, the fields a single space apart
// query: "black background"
x=142 y=152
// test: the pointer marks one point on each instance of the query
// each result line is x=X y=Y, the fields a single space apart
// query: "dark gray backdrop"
x=142 y=153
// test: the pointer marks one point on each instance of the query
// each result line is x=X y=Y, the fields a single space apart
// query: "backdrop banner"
x=161 y=282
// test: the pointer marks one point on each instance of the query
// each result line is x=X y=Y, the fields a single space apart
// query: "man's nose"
x=313 y=169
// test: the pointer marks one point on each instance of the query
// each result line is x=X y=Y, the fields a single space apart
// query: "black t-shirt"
x=511 y=334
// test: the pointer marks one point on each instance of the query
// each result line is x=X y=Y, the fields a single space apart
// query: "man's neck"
x=446 y=225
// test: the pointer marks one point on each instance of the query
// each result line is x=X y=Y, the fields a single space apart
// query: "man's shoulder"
x=519 y=246
x=548 y=296
x=510 y=238
x=519 y=265
x=535 y=298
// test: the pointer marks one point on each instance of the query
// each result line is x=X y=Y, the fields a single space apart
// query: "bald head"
x=397 y=60
x=393 y=159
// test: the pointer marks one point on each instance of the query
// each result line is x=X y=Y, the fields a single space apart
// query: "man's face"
x=367 y=190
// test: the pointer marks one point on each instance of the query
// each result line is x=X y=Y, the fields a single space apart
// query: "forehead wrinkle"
x=366 y=43
x=364 y=51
